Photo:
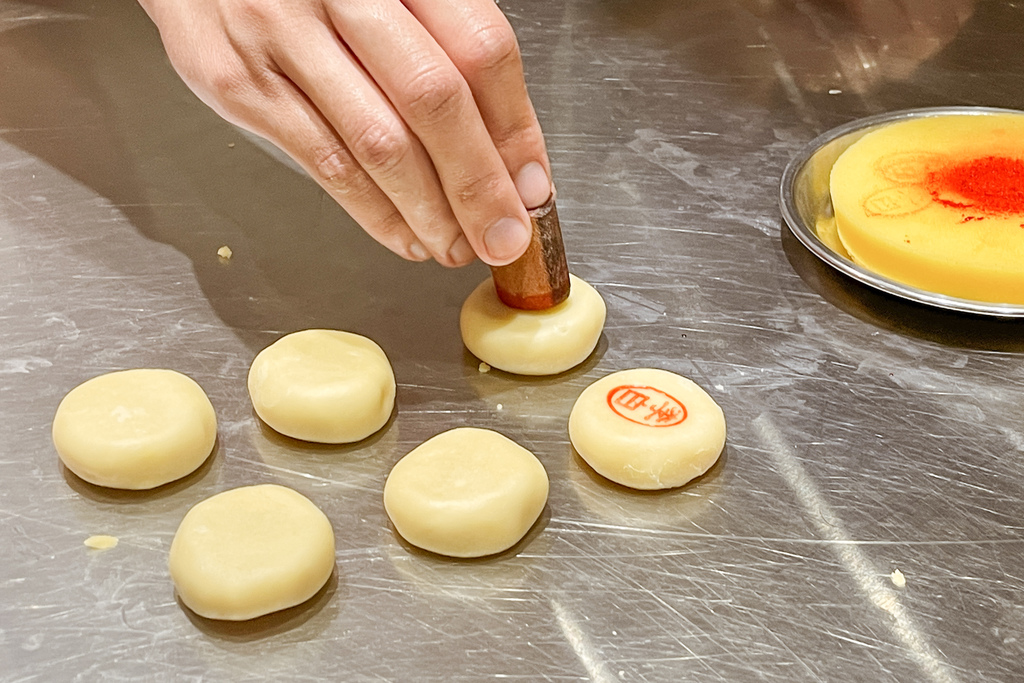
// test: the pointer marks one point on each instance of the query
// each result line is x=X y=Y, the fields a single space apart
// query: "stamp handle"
x=538 y=279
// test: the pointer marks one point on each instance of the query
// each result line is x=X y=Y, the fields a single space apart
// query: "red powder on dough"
x=992 y=184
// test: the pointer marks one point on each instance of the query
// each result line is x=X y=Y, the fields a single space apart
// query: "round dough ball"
x=251 y=551
x=466 y=492
x=135 y=429
x=647 y=428
x=532 y=342
x=323 y=385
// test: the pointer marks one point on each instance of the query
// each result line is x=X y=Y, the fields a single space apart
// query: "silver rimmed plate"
x=807 y=208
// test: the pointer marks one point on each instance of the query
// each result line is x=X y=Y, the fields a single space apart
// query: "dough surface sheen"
x=251 y=551
x=647 y=428
x=466 y=492
x=135 y=429
x=532 y=342
x=325 y=386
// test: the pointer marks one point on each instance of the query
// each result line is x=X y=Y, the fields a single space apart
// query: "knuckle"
x=522 y=133
x=491 y=48
x=388 y=228
x=335 y=166
x=434 y=94
x=380 y=147
x=228 y=84
x=478 y=189
x=436 y=237
x=262 y=13
x=230 y=92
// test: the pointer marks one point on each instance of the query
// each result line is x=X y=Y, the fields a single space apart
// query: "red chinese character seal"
x=646 y=406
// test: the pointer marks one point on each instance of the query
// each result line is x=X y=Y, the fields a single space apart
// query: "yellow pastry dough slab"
x=135 y=429
x=647 y=428
x=532 y=342
x=251 y=551
x=890 y=222
x=323 y=385
x=466 y=492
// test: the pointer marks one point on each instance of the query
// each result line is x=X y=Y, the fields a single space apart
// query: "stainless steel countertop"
x=865 y=434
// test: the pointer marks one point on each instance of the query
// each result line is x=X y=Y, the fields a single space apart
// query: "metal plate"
x=805 y=201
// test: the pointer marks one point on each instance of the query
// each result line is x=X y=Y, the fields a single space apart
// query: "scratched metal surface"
x=865 y=435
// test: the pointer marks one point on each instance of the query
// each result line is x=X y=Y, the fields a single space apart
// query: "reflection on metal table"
x=866 y=434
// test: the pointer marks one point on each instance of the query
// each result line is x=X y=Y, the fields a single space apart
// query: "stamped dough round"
x=135 y=429
x=466 y=492
x=532 y=342
x=251 y=551
x=647 y=428
x=323 y=385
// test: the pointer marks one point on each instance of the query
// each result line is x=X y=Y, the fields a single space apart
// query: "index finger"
x=435 y=100
x=480 y=42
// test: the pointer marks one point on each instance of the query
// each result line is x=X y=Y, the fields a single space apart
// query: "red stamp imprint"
x=894 y=202
x=646 y=406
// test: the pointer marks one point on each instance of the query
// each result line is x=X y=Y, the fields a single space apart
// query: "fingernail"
x=533 y=185
x=418 y=252
x=461 y=253
x=506 y=239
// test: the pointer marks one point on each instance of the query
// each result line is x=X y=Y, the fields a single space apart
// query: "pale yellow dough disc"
x=251 y=551
x=466 y=492
x=135 y=429
x=323 y=385
x=532 y=342
x=647 y=428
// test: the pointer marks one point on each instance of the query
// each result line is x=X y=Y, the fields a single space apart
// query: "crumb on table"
x=101 y=542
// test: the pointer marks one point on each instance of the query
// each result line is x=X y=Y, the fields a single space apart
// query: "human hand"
x=412 y=114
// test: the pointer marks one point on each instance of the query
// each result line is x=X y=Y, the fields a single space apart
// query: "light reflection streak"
x=872 y=583
x=580 y=644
